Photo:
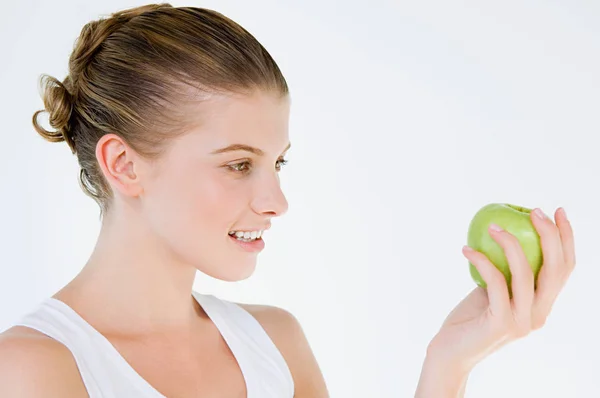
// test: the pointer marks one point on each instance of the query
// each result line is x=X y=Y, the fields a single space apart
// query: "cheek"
x=206 y=201
x=218 y=202
x=190 y=208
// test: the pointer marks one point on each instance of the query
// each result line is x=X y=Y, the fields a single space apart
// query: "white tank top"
x=106 y=374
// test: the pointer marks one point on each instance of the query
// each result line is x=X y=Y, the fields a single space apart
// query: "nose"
x=269 y=199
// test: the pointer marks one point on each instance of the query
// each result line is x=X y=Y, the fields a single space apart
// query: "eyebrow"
x=243 y=147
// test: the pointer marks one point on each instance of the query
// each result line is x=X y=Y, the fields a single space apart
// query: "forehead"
x=260 y=120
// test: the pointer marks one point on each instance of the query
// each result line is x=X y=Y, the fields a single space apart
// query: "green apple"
x=517 y=221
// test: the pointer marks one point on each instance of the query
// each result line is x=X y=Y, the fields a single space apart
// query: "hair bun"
x=58 y=102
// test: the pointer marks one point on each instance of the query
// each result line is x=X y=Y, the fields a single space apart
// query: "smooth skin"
x=171 y=218
x=488 y=319
x=34 y=365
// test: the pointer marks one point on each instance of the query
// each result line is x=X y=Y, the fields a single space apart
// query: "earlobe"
x=117 y=160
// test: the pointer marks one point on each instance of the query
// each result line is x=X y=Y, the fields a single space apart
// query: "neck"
x=133 y=281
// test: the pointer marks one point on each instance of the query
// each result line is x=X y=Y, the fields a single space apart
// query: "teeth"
x=247 y=235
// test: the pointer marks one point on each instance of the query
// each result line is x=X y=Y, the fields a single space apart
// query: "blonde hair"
x=132 y=74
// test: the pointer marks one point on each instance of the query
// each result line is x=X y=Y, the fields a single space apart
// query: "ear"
x=118 y=162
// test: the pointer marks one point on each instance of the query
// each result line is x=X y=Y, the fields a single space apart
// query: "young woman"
x=179 y=120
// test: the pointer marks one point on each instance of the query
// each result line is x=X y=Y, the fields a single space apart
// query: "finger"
x=522 y=280
x=497 y=289
x=550 y=279
x=550 y=238
x=556 y=270
x=565 y=230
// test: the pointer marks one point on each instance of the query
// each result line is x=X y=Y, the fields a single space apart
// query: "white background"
x=407 y=117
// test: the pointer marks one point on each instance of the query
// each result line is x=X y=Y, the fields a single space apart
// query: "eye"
x=281 y=162
x=241 y=167
x=244 y=167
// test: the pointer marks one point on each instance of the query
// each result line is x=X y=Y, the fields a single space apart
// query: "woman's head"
x=152 y=97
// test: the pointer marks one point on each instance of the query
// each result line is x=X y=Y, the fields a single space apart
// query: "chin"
x=232 y=271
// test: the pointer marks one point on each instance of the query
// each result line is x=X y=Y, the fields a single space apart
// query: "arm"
x=287 y=334
x=35 y=366
x=463 y=388
x=440 y=381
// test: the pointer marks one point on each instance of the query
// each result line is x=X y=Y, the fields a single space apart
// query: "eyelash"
x=281 y=161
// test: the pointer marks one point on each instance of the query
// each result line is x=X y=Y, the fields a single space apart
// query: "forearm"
x=440 y=381
x=463 y=388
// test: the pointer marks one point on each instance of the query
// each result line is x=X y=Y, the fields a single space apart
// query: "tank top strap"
x=105 y=373
x=261 y=362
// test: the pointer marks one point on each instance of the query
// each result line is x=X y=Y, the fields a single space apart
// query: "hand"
x=488 y=318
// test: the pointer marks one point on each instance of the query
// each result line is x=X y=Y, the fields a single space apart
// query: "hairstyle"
x=133 y=73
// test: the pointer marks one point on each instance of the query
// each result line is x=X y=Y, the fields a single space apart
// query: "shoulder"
x=275 y=320
x=287 y=334
x=35 y=365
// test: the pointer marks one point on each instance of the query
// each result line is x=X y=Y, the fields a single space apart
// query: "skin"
x=171 y=218
x=487 y=319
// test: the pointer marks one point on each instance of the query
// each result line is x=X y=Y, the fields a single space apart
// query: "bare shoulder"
x=286 y=332
x=34 y=365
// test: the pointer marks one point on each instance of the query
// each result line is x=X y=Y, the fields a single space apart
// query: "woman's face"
x=201 y=191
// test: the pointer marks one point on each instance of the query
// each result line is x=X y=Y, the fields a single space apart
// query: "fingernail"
x=564 y=212
x=540 y=214
x=468 y=248
x=495 y=227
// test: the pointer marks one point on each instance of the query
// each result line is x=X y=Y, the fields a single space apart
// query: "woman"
x=179 y=120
